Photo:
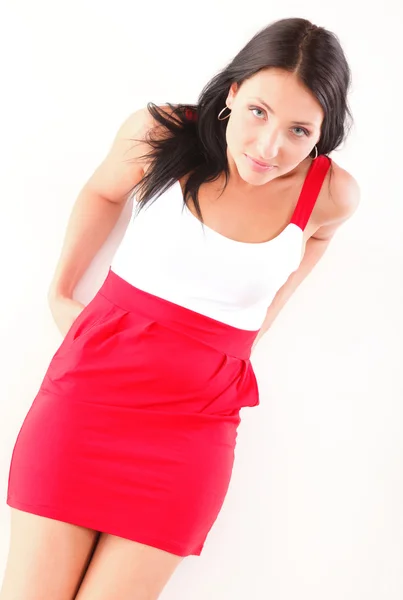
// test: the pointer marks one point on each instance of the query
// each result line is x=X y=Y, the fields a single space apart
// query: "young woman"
x=124 y=459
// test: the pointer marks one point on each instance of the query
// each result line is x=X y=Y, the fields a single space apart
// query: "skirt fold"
x=134 y=427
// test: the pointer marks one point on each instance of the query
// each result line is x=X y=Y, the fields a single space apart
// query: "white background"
x=315 y=506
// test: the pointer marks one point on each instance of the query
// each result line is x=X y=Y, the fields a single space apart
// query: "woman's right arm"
x=99 y=205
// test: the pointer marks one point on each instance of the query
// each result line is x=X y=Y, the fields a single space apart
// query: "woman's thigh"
x=46 y=559
x=127 y=570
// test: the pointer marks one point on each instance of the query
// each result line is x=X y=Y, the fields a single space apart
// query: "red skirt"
x=133 y=429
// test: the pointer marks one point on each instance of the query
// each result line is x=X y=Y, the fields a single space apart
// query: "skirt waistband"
x=221 y=336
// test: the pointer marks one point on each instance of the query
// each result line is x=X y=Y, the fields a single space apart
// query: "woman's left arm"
x=346 y=195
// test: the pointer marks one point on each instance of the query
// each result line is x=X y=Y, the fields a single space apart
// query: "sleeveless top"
x=166 y=252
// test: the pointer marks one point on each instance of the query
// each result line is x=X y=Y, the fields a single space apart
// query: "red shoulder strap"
x=310 y=190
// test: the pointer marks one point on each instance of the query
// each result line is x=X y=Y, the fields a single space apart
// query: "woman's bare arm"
x=346 y=194
x=100 y=203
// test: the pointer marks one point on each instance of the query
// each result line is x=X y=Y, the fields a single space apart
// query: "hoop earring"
x=222 y=112
x=315 y=157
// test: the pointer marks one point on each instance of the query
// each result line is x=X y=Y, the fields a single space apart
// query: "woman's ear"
x=231 y=94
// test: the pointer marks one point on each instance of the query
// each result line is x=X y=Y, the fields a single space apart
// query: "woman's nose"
x=268 y=145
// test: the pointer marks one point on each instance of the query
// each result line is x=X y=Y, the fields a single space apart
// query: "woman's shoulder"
x=126 y=161
x=344 y=191
x=342 y=198
x=143 y=122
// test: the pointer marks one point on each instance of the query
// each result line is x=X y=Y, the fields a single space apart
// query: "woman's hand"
x=65 y=311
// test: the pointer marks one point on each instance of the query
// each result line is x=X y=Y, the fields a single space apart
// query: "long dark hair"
x=194 y=141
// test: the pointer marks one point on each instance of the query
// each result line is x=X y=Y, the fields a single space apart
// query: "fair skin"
x=53 y=559
x=284 y=137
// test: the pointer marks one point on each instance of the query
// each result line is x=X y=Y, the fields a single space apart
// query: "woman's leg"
x=127 y=570
x=47 y=559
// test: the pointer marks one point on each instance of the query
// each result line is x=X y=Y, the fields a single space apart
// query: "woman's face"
x=283 y=136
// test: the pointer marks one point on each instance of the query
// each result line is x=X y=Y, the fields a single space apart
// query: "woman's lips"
x=257 y=166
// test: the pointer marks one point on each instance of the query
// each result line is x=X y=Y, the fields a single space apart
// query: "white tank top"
x=166 y=252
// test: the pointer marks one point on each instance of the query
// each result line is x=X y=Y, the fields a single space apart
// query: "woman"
x=124 y=459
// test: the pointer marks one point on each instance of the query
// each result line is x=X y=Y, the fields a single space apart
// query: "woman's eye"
x=258 y=109
x=304 y=132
